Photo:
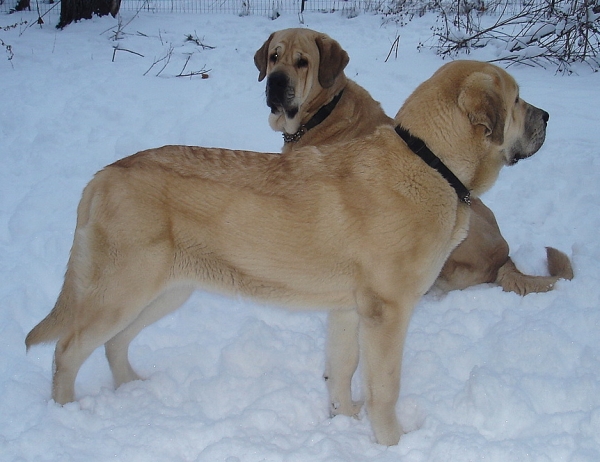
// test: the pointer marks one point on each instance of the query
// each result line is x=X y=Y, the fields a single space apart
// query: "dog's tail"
x=54 y=326
x=51 y=327
x=512 y=280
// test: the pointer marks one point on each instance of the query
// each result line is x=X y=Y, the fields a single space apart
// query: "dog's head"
x=471 y=115
x=304 y=70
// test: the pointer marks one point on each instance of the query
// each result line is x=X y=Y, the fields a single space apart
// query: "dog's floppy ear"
x=480 y=98
x=332 y=60
x=261 y=58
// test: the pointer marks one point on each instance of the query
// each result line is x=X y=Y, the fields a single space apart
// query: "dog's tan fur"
x=362 y=228
x=483 y=257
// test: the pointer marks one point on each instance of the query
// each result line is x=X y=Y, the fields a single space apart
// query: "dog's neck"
x=418 y=146
x=315 y=120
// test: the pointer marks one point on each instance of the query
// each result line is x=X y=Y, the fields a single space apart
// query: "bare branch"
x=118 y=48
x=560 y=33
x=166 y=59
x=393 y=48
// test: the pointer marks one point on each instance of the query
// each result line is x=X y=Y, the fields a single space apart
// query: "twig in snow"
x=197 y=41
x=393 y=48
x=118 y=48
x=166 y=59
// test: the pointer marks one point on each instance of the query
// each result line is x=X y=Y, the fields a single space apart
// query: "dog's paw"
x=351 y=409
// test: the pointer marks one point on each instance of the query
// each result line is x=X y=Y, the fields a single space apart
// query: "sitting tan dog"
x=362 y=228
x=313 y=103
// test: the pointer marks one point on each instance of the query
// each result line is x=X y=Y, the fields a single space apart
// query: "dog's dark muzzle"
x=280 y=94
x=535 y=135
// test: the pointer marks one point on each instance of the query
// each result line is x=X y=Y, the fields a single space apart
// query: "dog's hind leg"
x=83 y=337
x=117 y=347
x=69 y=355
x=342 y=360
x=99 y=313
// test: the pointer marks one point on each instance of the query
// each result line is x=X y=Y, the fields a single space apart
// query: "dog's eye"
x=517 y=99
x=302 y=62
x=274 y=57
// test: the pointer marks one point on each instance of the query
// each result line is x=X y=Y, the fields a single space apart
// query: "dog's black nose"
x=545 y=116
x=277 y=82
x=278 y=91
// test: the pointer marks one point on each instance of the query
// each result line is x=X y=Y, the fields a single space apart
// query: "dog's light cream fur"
x=362 y=228
x=304 y=70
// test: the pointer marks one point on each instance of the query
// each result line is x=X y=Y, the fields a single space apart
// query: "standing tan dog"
x=362 y=227
x=313 y=103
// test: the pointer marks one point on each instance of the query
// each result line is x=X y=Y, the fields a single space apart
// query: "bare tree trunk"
x=23 y=5
x=74 y=10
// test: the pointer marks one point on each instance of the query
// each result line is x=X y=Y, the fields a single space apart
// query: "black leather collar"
x=315 y=120
x=418 y=146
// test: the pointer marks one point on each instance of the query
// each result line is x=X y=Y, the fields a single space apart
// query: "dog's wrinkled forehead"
x=302 y=52
x=289 y=49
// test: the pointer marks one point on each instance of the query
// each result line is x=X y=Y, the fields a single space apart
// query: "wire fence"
x=271 y=8
x=240 y=7
x=274 y=8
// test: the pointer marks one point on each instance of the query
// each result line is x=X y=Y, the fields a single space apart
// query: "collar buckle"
x=418 y=146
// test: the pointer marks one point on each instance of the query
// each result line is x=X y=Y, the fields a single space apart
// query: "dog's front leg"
x=383 y=327
x=342 y=360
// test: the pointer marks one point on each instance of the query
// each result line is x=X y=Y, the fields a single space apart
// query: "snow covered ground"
x=487 y=375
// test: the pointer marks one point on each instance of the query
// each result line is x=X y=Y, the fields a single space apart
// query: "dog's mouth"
x=522 y=151
x=517 y=157
x=535 y=136
x=277 y=109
